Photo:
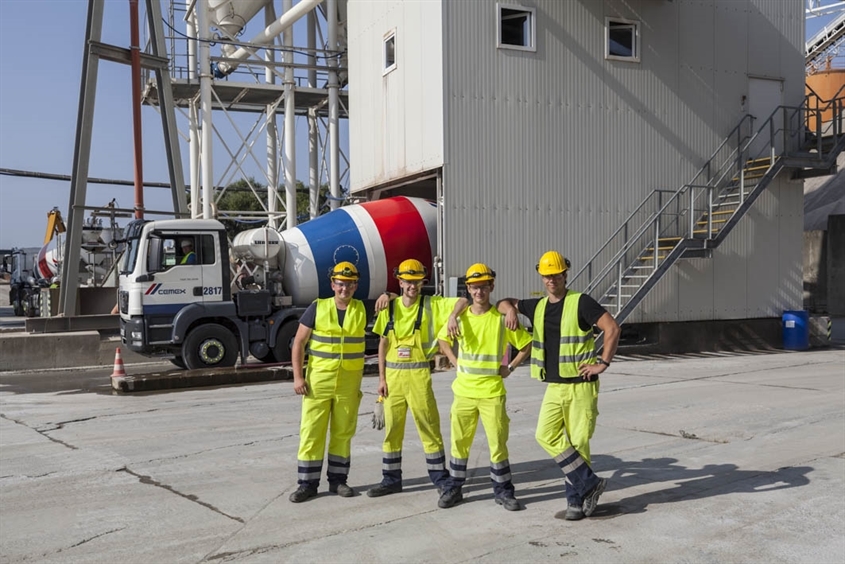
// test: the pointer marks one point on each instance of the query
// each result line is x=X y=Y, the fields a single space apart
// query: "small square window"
x=389 y=52
x=622 y=40
x=515 y=27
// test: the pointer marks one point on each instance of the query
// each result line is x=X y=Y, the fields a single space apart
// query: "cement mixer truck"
x=181 y=298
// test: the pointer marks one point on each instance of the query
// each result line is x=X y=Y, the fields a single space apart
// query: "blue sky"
x=40 y=62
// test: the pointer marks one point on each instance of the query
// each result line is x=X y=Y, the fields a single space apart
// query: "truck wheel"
x=178 y=361
x=284 y=341
x=18 y=308
x=210 y=346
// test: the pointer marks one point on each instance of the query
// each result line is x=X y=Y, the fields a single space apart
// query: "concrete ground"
x=710 y=458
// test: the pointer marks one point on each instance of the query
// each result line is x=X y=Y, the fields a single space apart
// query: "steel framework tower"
x=230 y=101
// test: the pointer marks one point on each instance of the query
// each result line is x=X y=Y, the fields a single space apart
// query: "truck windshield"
x=133 y=242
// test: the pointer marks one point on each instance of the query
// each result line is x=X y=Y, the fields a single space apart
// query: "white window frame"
x=384 y=66
x=635 y=43
x=532 y=27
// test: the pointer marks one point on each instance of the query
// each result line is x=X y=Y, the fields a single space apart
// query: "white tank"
x=262 y=246
x=232 y=15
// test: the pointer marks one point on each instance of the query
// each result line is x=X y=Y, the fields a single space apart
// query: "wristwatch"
x=510 y=369
x=600 y=360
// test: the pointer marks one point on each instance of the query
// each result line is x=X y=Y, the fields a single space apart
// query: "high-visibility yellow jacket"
x=481 y=348
x=332 y=346
x=576 y=345
x=436 y=310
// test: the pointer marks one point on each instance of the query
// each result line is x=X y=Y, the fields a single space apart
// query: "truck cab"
x=176 y=301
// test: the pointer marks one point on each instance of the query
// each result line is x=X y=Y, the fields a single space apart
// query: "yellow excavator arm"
x=55 y=225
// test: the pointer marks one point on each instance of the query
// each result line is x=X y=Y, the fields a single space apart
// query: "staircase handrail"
x=705 y=167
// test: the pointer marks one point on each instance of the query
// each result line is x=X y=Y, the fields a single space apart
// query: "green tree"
x=239 y=197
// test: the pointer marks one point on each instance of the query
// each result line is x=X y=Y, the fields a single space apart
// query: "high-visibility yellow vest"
x=576 y=345
x=332 y=346
x=410 y=352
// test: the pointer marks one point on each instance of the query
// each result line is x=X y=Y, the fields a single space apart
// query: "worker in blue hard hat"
x=479 y=388
x=563 y=356
x=333 y=329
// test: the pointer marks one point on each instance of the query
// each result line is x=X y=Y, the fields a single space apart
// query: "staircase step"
x=725 y=212
x=712 y=220
x=652 y=257
x=661 y=239
x=697 y=231
x=667 y=248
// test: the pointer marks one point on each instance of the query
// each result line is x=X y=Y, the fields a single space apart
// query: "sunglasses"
x=340 y=284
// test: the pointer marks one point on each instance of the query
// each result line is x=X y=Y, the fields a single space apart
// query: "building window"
x=515 y=27
x=389 y=52
x=622 y=40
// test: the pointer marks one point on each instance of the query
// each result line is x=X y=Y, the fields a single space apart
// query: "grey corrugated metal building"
x=543 y=124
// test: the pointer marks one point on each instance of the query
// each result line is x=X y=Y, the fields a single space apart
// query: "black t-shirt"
x=309 y=318
x=589 y=312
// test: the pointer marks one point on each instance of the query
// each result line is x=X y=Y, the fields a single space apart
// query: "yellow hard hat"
x=344 y=271
x=551 y=263
x=480 y=272
x=410 y=269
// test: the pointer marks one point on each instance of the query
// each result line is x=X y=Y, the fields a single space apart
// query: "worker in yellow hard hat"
x=408 y=327
x=563 y=356
x=479 y=387
x=333 y=329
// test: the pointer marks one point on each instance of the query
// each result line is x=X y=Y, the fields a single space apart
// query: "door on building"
x=764 y=95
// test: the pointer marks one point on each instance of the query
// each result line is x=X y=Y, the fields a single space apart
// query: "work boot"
x=591 y=500
x=342 y=490
x=509 y=502
x=574 y=513
x=384 y=489
x=450 y=498
x=304 y=493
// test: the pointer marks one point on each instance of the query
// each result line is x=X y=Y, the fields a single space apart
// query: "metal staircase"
x=694 y=219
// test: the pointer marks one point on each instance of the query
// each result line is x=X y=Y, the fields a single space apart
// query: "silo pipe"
x=267 y=36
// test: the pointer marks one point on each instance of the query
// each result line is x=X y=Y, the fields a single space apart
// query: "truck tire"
x=284 y=341
x=178 y=361
x=18 y=309
x=210 y=346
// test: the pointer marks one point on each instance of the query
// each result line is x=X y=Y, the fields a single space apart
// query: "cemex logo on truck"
x=157 y=289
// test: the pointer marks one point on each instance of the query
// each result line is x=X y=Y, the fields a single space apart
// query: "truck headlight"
x=137 y=343
x=137 y=335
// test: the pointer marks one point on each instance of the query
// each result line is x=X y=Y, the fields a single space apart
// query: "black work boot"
x=384 y=489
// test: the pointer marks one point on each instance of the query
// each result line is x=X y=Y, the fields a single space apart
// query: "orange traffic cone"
x=119 y=371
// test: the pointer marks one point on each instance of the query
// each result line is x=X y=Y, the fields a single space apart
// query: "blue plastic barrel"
x=796 y=330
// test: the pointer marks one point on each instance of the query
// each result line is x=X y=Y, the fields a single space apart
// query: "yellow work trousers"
x=568 y=418
x=464 y=422
x=331 y=405
x=411 y=389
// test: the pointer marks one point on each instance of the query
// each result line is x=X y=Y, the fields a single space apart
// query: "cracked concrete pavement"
x=711 y=457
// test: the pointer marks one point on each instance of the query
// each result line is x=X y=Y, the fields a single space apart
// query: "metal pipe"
x=313 y=130
x=193 y=114
x=290 y=122
x=334 y=103
x=313 y=161
x=272 y=131
x=205 y=107
x=135 y=56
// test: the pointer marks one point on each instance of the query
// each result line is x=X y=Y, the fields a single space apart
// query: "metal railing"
x=700 y=214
